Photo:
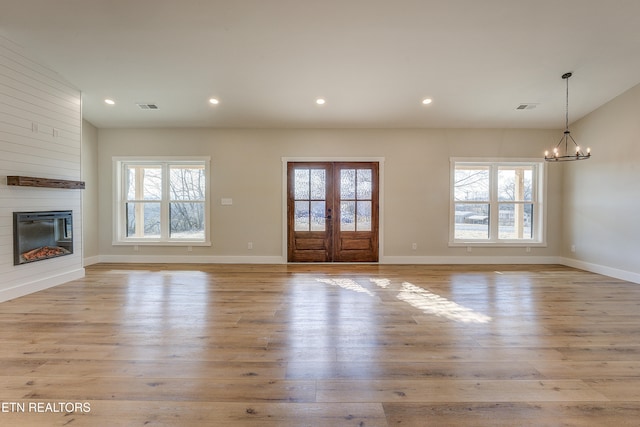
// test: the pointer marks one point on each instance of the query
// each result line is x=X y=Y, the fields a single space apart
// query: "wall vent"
x=145 y=106
x=528 y=106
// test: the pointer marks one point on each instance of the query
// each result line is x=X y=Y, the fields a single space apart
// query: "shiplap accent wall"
x=40 y=136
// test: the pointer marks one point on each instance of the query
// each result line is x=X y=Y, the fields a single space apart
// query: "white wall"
x=35 y=103
x=247 y=167
x=90 y=211
x=602 y=204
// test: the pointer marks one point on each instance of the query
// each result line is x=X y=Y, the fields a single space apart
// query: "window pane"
x=347 y=216
x=348 y=184
x=318 y=222
x=318 y=184
x=144 y=183
x=302 y=222
x=186 y=183
x=515 y=183
x=143 y=220
x=186 y=220
x=364 y=184
x=471 y=221
x=515 y=221
x=471 y=183
x=301 y=184
x=363 y=216
x=131 y=183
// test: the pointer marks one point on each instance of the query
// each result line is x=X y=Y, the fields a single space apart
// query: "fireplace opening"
x=41 y=235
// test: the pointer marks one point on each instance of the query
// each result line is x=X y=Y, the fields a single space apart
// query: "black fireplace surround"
x=41 y=235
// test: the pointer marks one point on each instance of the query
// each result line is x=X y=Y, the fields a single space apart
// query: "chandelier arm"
x=573 y=140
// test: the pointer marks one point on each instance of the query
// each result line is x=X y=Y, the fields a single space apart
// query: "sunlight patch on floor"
x=348 y=284
x=434 y=304
x=381 y=283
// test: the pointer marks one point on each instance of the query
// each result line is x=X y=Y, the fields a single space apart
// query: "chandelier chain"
x=567 y=107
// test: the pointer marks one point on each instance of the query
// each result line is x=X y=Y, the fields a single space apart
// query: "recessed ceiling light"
x=214 y=101
x=109 y=101
x=427 y=101
x=320 y=101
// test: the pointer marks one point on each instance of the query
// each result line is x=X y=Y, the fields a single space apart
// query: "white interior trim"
x=40 y=285
x=602 y=269
x=186 y=259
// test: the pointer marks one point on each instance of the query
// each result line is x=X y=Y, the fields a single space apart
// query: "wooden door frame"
x=379 y=160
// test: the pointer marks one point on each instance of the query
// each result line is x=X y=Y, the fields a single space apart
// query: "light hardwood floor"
x=324 y=345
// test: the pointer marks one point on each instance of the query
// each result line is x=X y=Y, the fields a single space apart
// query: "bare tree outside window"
x=186 y=208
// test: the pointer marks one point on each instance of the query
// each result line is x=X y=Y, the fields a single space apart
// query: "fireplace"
x=41 y=235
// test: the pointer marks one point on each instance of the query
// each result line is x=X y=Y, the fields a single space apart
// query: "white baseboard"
x=39 y=285
x=469 y=260
x=168 y=259
x=185 y=259
x=601 y=269
x=91 y=260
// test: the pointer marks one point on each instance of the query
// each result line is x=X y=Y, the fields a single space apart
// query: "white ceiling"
x=373 y=60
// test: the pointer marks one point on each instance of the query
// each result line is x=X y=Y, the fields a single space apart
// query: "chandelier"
x=563 y=152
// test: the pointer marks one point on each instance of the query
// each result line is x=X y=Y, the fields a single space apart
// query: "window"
x=161 y=201
x=497 y=203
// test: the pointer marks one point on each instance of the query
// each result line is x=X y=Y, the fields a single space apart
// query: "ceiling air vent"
x=144 y=106
x=528 y=106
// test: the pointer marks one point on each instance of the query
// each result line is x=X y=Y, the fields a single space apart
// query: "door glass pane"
x=301 y=184
x=363 y=216
x=186 y=183
x=515 y=221
x=515 y=183
x=364 y=184
x=347 y=216
x=471 y=221
x=301 y=216
x=348 y=184
x=143 y=219
x=318 y=222
x=186 y=220
x=318 y=184
x=471 y=183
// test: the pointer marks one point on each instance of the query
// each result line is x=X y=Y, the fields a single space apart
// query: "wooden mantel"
x=28 y=181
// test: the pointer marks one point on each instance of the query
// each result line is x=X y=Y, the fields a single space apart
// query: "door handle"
x=328 y=214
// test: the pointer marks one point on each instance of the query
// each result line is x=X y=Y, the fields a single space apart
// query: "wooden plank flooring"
x=323 y=345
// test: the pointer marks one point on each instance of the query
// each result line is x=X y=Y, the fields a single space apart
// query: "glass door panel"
x=355 y=199
x=310 y=190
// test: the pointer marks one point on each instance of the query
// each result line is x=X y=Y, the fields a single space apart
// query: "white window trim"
x=540 y=206
x=118 y=227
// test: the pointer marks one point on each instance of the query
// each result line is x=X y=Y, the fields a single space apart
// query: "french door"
x=332 y=211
